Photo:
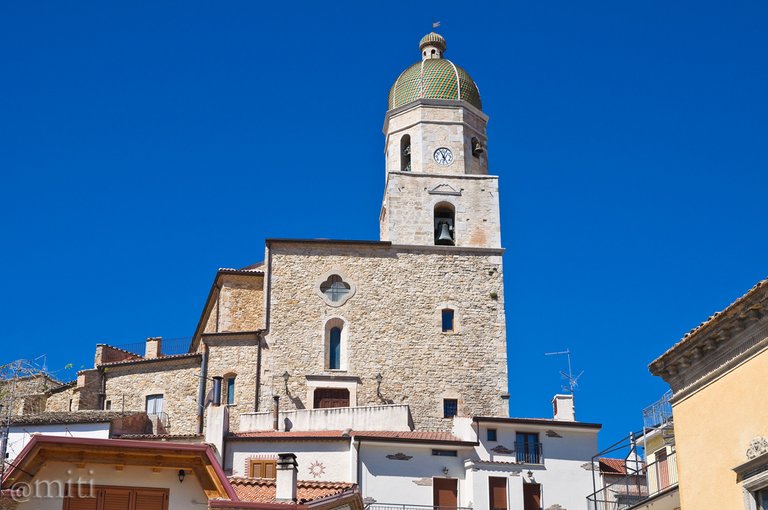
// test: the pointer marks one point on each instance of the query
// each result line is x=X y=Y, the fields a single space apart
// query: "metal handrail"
x=529 y=453
x=398 y=506
x=635 y=488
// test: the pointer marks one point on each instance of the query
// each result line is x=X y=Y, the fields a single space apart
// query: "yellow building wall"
x=713 y=429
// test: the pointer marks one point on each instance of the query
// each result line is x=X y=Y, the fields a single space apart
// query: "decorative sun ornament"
x=316 y=469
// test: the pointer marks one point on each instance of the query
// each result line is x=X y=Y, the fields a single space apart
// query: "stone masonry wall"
x=234 y=356
x=239 y=306
x=432 y=125
x=410 y=209
x=127 y=387
x=393 y=327
x=58 y=401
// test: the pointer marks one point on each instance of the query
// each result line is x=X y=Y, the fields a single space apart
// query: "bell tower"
x=438 y=191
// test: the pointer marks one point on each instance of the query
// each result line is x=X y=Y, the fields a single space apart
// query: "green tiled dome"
x=434 y=78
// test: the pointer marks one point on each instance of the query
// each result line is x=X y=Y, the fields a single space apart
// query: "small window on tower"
x=405 y=153
x=450 y=407
x=447 y=320
x=231 y=389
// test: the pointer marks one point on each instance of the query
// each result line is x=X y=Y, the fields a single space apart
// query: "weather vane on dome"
x=435 y=24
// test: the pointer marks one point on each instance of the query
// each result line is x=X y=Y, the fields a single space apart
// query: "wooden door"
x=331 y=397
x=445 y=493
x=497 y=488
x=662 y=467
x=531 y=496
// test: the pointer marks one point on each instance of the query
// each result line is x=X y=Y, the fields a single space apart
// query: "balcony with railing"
x=658 y=413
x=635 y=489
x=529 y=453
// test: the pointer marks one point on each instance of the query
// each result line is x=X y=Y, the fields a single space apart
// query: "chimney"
x=217 y=390
x=287 y=470
x=154 y=347
x=563 y=407
x=276 y=412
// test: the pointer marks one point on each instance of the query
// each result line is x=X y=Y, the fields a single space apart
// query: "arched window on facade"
x=335 y=348
x=445 y=220
x=405 y=153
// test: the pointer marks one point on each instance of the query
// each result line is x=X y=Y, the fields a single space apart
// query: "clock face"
x=443 y=156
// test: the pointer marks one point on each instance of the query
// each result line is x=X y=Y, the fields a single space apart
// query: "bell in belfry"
x=444 y=235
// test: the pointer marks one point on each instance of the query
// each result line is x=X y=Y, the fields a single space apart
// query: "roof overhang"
x=197 y=458
x=538 y=422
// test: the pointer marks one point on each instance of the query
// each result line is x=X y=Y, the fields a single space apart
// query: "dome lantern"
x=432 y=45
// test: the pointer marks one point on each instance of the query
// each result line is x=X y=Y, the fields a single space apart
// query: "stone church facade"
x=417 y=318
x=382 y=363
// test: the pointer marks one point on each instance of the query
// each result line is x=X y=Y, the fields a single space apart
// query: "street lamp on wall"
x=379 y=378
x=182 y=474
x=286 y=376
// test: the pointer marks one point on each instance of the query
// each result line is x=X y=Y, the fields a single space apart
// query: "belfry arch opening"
x=444 y=222
x=405 y=153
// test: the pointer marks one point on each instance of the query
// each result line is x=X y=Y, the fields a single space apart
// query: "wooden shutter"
x=76 y=503
x=497 y=488
x=444 y=493
x=116 y=499
x=331 y=397
x=81 y=497
x=531 y=496
x=148 y=499
x=263 y=468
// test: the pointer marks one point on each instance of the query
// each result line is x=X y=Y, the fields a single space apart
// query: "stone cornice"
x=716 y=346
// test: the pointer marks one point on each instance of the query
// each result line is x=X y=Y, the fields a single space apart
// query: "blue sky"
x=145 y=144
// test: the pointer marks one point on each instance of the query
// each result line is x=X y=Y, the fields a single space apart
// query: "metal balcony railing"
x=634 y=488
x=658 y=413
x=160 y=423
x=529 y=453
x=394 y=506
x=168 y=346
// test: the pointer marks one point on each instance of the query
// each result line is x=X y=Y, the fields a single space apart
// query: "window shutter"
x=117 y=499
x=75 y=503
x=151 y=500
x=269 y=469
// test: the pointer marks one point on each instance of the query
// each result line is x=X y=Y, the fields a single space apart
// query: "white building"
x=485 y=462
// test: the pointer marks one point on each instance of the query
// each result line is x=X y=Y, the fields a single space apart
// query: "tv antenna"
x=572 y=381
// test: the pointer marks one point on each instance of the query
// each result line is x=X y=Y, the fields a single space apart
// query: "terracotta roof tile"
x=294 y=435
x=415 y=435
x=55 y=418
x=262 y=490
x=612 y=466
x=385 y=435
x=146 y=360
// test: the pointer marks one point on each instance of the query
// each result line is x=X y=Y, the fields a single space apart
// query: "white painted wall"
x=390 y=417
x=19 y=436
x=188 y=495
x=408 y=481
x=562 y=476
x=333 y=456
